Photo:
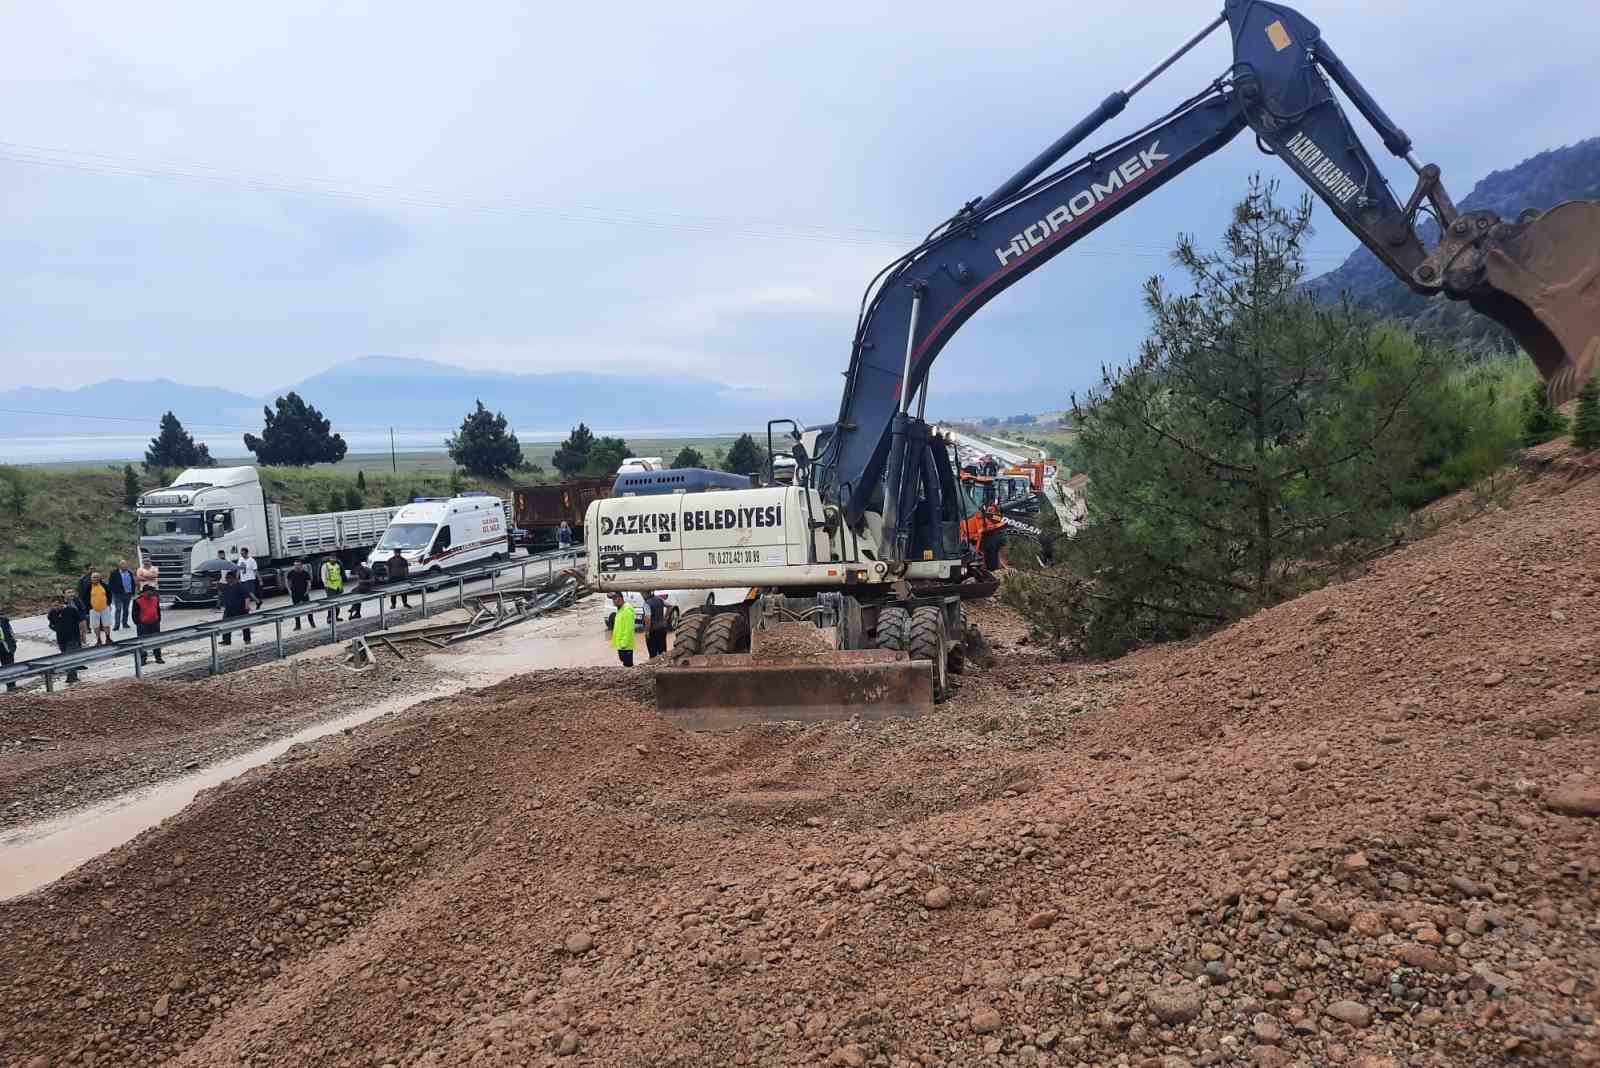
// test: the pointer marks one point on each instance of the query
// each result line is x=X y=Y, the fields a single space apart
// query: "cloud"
x=219 y=193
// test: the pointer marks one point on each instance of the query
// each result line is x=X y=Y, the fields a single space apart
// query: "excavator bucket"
x=1539 y=278
x=788 y=677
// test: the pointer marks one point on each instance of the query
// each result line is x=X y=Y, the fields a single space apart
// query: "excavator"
x=857 y=571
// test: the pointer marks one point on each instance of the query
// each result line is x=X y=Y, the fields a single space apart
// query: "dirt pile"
x=1357 y=829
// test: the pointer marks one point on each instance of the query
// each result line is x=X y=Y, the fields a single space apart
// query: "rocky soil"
x=1360 y=829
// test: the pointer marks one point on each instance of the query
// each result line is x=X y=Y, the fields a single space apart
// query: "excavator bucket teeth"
x=1541 y=281
x=715 y=693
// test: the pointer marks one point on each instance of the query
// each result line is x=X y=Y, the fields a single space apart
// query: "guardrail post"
x=277 y=627
x=138 y=666
x=524 y=575
x=333 y=627
x=381 y=624
x=424 y=602
x=213 y=654
x=492 y=576
x=49 y=682
x=461 y=593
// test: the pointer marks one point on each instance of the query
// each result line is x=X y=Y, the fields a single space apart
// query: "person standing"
x=235 y=603
x=122 y=591
x=299 y=580
x=101 y=613
x=248 y=576
x=83 y=585
x=622 y=629
x=8 y=647
x=147 y=620
x=333 y=582
x=564 y=535
x=67 y=621
x=148 y=574
x=655 y=623
x=399 y=571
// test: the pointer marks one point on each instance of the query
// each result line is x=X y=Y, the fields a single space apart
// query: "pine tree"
x=173 y=446
x=483 y=445
x=1586 y=427
x=388 y=497
x=17 y=486
x=65 y=556
x=296 y=435
x=745 y=457
x=605 y=456
x=688 y=456
x=1540 y=421
x=573 y=455
x=130 y=486
x=353 y=499
x=361 y=481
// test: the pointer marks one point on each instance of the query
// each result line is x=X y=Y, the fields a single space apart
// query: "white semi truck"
x=209 y=512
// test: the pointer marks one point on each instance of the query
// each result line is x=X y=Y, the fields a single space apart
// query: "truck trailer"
x=212 y=512
x=538 y=510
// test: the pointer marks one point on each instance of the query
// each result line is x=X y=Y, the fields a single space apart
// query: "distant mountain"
x=1542 y=182
x=119 y=406
x=383 y=390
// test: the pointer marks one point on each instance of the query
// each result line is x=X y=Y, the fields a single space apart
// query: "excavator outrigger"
x=857 y=570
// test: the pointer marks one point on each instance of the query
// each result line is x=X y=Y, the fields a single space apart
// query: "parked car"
x=678 y=602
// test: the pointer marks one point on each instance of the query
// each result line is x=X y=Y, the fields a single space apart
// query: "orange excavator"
x=985 y=525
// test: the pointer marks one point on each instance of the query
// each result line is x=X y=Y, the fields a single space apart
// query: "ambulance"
x=435 y=533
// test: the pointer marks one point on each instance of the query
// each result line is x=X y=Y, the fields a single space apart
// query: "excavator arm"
x=1538 y=278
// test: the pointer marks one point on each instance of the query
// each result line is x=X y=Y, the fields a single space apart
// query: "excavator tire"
x=926 y=642
x=724 y=633
x=894 y=627
x=688 y=636
x=957 y=657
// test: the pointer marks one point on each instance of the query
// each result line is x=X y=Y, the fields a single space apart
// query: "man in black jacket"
x=235 y=598
x=8 y=647
x=67 y=620
x=299 y=580
x=399 y=571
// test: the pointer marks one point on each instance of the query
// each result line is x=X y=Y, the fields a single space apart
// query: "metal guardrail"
x=48 y=667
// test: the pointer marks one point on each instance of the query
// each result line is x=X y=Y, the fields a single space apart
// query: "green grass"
x=83 y=502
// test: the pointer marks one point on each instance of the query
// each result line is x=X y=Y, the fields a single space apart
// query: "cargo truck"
x=538 y=510
x=209 y=512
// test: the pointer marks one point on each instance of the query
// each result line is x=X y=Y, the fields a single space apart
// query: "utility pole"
x=393 y=463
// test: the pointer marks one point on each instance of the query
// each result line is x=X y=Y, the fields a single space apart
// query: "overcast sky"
x=245 y=194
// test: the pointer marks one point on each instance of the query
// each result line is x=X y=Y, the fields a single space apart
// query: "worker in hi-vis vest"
x=622 y=629
x=333 y=582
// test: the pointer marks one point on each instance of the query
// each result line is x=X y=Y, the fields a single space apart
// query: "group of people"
x=657 y=622
x=103 y=604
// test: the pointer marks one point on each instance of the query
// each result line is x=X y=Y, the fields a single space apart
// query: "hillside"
x=1570 y=173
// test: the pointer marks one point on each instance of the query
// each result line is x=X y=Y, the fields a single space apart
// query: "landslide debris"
x=1353 y=829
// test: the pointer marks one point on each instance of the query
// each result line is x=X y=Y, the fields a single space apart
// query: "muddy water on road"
x=34 y=854
x=37 y=853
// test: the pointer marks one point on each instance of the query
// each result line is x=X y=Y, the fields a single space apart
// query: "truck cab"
x=204 y=513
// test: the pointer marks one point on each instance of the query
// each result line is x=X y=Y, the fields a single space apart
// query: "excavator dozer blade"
x=717 y=693
x=1540 y=279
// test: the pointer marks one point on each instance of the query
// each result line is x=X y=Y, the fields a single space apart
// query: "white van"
x=434 y=533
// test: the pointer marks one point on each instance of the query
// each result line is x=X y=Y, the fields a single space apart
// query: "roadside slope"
x=1348 y=830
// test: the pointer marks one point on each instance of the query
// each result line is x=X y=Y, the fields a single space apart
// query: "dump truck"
x=537 y=511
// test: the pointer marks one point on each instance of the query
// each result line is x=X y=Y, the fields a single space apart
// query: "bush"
x=1586 y=427
x=1540 y=421
x=130 y=486
x=388 y=497
x=15 y=484
x=688 y=456
x=353 y=499
x=65 y=557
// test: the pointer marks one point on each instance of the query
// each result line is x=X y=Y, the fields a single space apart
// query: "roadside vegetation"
x=1258 y=444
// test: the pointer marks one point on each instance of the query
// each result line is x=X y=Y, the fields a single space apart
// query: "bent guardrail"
x=48 y=667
